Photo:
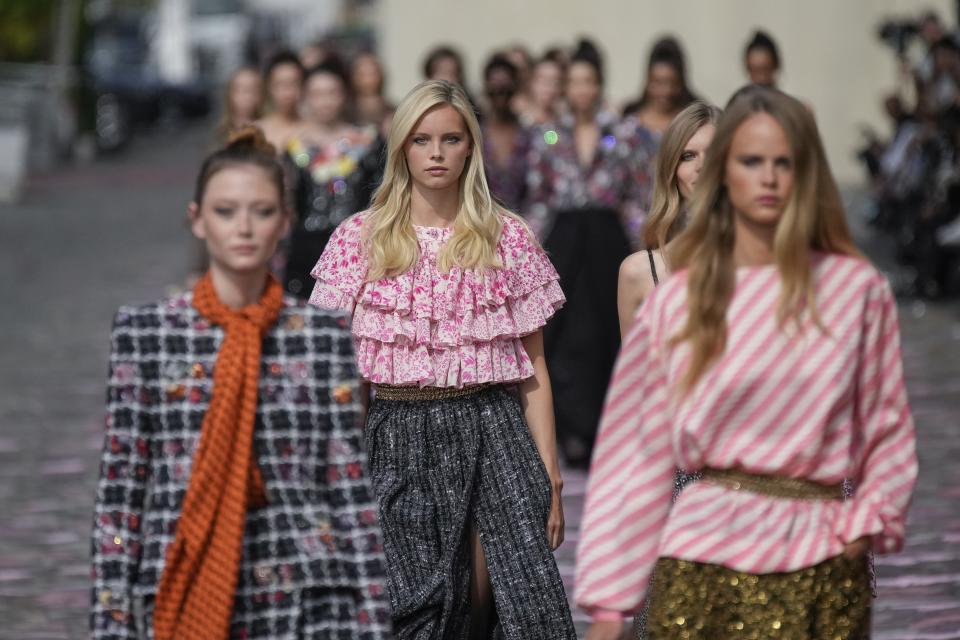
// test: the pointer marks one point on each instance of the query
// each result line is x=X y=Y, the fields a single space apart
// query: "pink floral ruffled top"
x=429 y=328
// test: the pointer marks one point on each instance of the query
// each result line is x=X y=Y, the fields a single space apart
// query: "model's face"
x=691 y=159
x=366 y=76
x=312 y=55
x=761 y=68
x=663 y=86
x=324 y=98
x=583 y=87
x=520 y=61
x=759 y=171
x=438 y=148
x=500 y=89
x=241 y=218
x=446 y=68
x=546 y=84
x=285 y=87
x=245 y=95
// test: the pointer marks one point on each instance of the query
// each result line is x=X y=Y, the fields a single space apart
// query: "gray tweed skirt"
x=441 y=468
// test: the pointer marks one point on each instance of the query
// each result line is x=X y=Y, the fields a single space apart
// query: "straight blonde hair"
x=813 y=220
x=666 y=219
x=391 y=241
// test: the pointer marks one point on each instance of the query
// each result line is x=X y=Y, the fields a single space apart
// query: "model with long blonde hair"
x=393 y=243
x=449 y=294
x=770 y=363
x=678 y=163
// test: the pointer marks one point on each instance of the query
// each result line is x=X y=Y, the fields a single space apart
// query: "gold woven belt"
x=409 y=394
x=774 y=486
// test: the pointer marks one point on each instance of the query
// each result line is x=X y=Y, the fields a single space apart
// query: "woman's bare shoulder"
x=636 y=277
x=635 y=269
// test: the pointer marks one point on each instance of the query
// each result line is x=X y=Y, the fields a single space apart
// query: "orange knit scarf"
x=199 y=581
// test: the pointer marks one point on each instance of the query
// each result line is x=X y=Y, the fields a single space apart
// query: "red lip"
x=768 y=201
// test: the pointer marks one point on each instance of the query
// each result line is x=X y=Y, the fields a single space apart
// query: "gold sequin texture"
x=697 y=601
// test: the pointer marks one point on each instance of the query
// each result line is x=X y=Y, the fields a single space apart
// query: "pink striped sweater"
x=823 y=407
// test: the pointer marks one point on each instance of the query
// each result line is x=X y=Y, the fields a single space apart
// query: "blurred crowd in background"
x=553 y=140
x=914 y=172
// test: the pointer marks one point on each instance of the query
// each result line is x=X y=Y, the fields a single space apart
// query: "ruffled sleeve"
x=887 y=445
x=457 y=327
x=532 y=281
x=342 y=268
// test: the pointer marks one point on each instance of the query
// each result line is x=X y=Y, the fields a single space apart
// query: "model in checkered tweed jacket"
x=312 y=563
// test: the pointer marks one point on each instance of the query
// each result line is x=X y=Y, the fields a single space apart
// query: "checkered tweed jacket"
x=313 y=561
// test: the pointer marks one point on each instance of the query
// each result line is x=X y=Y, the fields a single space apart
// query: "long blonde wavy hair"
x=391 y=241
x=813 y=220
x=666 y=213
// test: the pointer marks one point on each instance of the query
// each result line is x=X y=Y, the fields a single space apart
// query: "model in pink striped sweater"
x=771 y=362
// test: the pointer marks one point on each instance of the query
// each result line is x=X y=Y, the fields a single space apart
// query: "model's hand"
x=857 y=548
x=555 y=525
x=606 y=630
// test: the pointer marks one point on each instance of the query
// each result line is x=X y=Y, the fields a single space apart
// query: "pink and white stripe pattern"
x=779 y=401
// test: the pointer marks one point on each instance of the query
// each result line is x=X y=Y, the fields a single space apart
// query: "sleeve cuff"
x=606 y=615
x=326 y=296
x=869 y=518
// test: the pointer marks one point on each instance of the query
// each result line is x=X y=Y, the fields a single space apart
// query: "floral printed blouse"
x=558 y=181
x=426 y=327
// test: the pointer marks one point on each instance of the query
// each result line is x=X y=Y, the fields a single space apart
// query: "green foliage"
x=26 y=30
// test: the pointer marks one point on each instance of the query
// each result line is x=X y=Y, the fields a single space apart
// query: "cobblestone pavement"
x=88 y=239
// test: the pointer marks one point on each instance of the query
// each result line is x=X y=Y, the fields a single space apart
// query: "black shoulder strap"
x=653 y=268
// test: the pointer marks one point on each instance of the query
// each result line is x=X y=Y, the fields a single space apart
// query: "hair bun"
x=587 y=50
x=249 y=138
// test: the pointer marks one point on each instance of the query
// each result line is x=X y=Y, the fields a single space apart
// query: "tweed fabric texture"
x=314 y=547
x=195 y=597
x=440 y=469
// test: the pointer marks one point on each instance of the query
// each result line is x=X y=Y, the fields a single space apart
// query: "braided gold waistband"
x=774 y=486
x=409 y=394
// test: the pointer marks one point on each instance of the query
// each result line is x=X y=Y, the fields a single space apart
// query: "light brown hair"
x=665 y=220
x=245 y=146
x=813 y=220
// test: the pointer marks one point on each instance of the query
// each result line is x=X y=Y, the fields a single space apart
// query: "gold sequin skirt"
x=697 y=601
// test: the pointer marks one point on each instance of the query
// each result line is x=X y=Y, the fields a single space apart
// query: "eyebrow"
x=448 y=133
x=752 y=154
x=227 y=200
